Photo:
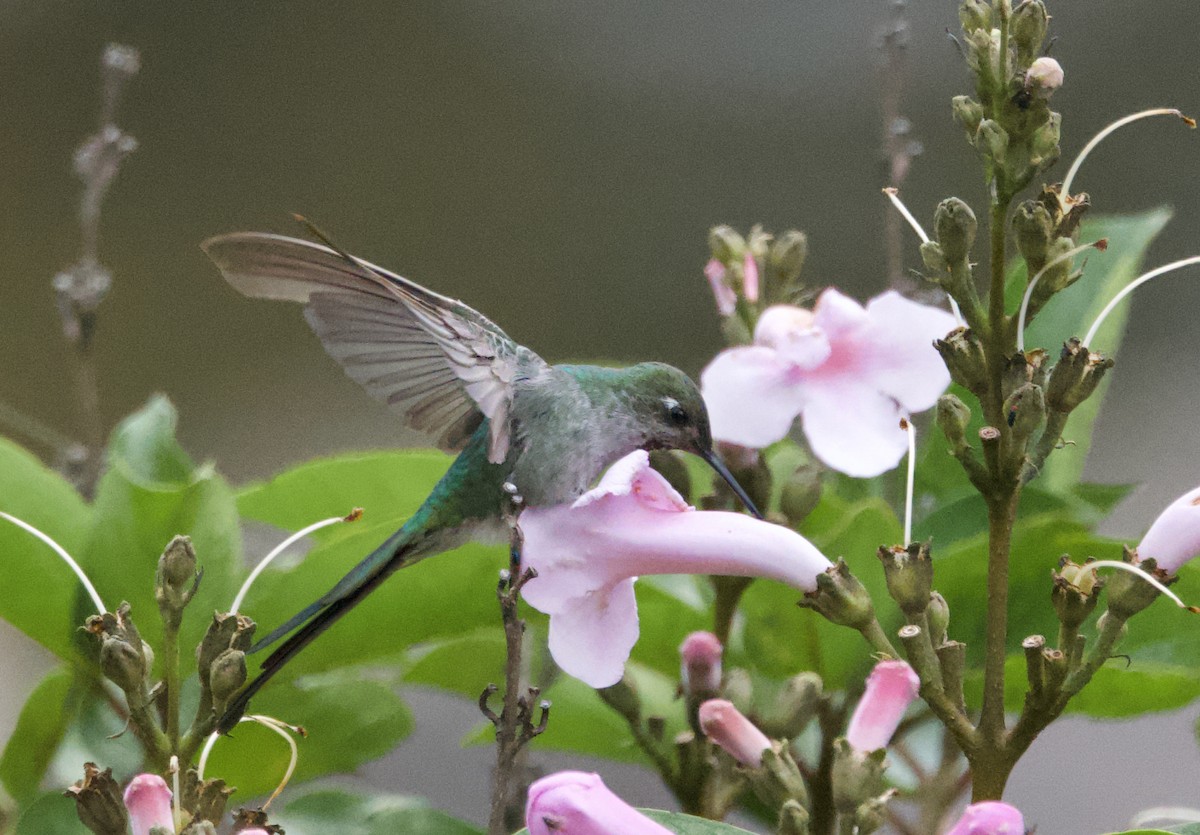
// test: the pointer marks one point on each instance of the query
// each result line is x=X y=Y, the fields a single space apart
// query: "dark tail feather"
x=363 y=579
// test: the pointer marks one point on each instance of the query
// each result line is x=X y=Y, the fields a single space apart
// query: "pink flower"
x=991 y=817
x=849 y=372
x=700 y=663
x=891 y=688
x=750 y=276
x=1044 y=74
x=1174 y=538
x=575 y=803
x=726 y=299
x=589 y=553
x=148 y=801
x=726 y=726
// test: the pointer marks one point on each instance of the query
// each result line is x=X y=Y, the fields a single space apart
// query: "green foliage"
x=1182 y=829
x=40 y=727
x=684 y=824
x=352 y=814
x=50 y=814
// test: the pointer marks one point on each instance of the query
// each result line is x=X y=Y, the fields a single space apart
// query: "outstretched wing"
x=440 y=364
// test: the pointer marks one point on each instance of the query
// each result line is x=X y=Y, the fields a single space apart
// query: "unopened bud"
x=787 y=256
x=175 y=579
x=963 y=354
x=1075 y=377
x=801 y=493
x=793 y=819
x=1025 y=409
x=1075 y=592
x=840 y=598
x=777 y=779
x=726 y=245
x=227 y=676
x=98 y=801
x=992 y=140
x=975 y=15
x=122 y=659
x=871 y=814
x=908 y=571
x=738 y=689
x=796 y=705
x=938 y=615
x=856 y=775
x=953 y=416
x=1035 y=230
x=1043 y=77
x=700 y=664
x=1028 y=29
x=934 y=259
x=1043 y=147
x=968 y=113
x=956 y=227
x=725 y=725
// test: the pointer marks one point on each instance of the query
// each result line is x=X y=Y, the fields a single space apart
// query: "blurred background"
x=556 y=165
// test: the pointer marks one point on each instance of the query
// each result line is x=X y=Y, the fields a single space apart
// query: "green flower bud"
x=122 y=659
x=1043 y=147
x=857 y=776
x=938 y=615
x=1075 y=377
x=934 y=258
x=1075 y=592
x=968 y=113
x=795 y=706
x=738 y=689
x=1035 y=229
x=176 y=579
x=726 y=245
x=909 y=575
x=956 y=226
x=975 y=16
x=953 y=415
x=801 y=493
x=227 y=675
x=98 y=801
x=1026 y=410
x=793 y=819
x=992 y=141
x=840 y=598
x=981 y=47
x=787 y=256
x=871 y=814
x=778 y=779
x=963 y=355
x=1027 y=29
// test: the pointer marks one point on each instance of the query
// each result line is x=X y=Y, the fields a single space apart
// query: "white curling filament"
x=893 y=194
x=907 y=426
x=1133 y=569
x=176 y=814
x=1066 y=256
x=1129 y=288
x=62 y=553
x=283 y=729
x=1065 y=194
x=283 y=546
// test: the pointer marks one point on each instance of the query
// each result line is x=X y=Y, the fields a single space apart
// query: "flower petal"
x=149 y=803
x=725 y=725
x=891 y=688
x=592 y=638
x=900 y=359
x=991 y=817
x=792 y=331
x=576 y=803
x=853 y=428
x=1174 y=538
x=752 y=394
x=838 y=315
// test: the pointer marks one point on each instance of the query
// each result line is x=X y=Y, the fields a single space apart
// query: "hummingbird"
x=513 y=419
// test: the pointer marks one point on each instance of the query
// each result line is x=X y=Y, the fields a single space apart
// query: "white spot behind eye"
x=670 y=403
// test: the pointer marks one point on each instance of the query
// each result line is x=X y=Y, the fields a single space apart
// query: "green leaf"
x=349 y=721
x=1071 y=313
x=354 y=814
x=142 y=501
x=50 y=814
x=1182 y=829
x=40 y=591
x=684 y=824
x=40 y=728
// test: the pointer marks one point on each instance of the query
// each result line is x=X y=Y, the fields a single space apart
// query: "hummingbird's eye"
x=675 y=412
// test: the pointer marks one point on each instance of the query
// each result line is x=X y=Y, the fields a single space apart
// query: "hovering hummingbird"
x=513 y=419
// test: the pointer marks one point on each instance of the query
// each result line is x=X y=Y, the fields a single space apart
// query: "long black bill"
x=723 y=471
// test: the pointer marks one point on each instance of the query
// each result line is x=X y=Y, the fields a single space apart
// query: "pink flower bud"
x=726 y=299
x=700 y=663
x=575 y=803
x=1174 y=538
x=750 y=277
x=991 y=817
x=1044 y=74
x=149 y=803
x=891 y=688
x=726 y=726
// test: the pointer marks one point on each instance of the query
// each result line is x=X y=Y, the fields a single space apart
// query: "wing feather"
x=443 y=366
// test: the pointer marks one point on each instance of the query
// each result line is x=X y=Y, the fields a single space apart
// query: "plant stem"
x=171 y=678
x=728 y=594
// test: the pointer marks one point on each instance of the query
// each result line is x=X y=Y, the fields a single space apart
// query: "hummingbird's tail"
x=392 y=555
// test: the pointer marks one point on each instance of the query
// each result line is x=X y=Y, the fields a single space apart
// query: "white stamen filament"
x=1129 y=288
x=1133 y=569
x=893 y=194
x=176 y=813
x=62 y=552
x=1066 y=256
x=282 y=728
x=1102 y=135
x=906 y=425
x=283 y=546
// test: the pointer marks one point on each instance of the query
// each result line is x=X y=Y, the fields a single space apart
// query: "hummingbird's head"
x=670 y=408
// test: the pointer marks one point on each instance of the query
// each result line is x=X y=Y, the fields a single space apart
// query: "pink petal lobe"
x=1174 y=538
x=725 y=725
x=148 y=801
x=592 y=638
x=752 y=396
x=900 y=360
x=991 y=817
x=576 y=803
x=700 y=663
x=792 y=331
x=891 y=688
x=838 y=315
x=853 y=428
